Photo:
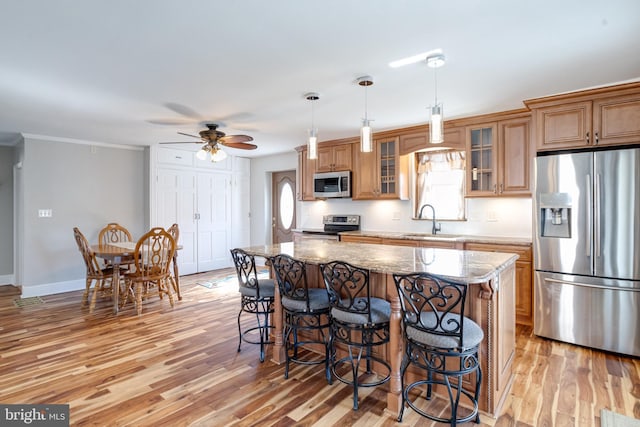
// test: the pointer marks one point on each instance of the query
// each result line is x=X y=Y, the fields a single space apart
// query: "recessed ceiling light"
x=415 y=58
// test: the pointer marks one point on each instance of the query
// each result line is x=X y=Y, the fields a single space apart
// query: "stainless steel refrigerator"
x=587 y=248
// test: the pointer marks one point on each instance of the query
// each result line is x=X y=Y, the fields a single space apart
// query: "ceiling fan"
x=213 y=139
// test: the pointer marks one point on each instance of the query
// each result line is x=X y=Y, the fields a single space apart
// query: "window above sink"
x=439 y=181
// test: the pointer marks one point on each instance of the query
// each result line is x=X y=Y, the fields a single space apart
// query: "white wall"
x=6 y=213
x=261 y=170
x=85 y=186
x=485 y=216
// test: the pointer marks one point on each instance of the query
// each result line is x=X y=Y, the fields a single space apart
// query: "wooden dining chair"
x=174 y=230
x=100 y=275
x=114 y=233
x=152 y=258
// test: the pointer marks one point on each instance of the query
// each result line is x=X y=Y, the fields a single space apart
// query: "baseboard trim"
x=52 y=288
x=7 y=279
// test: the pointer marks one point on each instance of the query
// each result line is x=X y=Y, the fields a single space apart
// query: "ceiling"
x=113 y=71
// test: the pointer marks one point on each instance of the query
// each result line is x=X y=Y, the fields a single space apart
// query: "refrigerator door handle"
x=588 y=221
x=588 y=285
x=598 y=214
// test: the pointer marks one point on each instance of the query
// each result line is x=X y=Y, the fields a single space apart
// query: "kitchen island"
x=490 y=301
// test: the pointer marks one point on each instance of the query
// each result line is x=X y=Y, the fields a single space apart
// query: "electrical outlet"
x=396 y=216
x=491 y=216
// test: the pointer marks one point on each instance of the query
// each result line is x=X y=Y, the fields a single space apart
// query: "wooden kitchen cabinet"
x=499 y=158
x=482 y=159
x=382 y=173
x=524 y=276
x=454 y=139
x=334 y=158
x=304 y=175
x=605 y=116
x=360 y=239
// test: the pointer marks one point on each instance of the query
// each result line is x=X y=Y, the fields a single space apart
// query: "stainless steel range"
x=333 y=224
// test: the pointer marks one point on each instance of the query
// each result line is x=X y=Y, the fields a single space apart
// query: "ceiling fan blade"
x=183 y=110
x=171 y=122
x=188 y=134
x=182 y=142
x=235 y=138
x=240 y=145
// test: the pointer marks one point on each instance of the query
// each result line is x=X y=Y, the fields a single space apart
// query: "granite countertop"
x=458 y=265
x=464 y=238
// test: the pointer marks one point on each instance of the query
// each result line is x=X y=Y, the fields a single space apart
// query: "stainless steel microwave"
x=332 y=184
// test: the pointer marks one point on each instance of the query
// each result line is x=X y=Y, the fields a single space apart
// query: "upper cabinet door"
x=304 y=176
x=334 y=158
x=482 y=156
x=564 y=126
x=617 y=120
x=514 y=151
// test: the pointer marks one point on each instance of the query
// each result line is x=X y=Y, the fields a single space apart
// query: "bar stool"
x=305 y=310
x=440 y=339
x=358 y=320
x=256 y=297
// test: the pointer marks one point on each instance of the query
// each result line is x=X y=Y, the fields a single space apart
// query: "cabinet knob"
x=597 y=138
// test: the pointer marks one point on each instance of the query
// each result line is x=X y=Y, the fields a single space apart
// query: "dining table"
x=121 y=253
x=118 y=254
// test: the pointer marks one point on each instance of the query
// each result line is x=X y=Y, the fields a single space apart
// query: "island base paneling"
x=490 y=304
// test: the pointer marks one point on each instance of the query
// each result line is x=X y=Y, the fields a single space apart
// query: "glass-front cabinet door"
x=482 y=158
x=387 y=158
x=381 y=174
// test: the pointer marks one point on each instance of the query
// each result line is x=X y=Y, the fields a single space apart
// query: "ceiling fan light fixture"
x=201 y=154
x=366 y=134
x=312 y=141
x=217 y=155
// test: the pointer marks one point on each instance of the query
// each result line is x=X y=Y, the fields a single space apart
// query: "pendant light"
x=436 y=117
x=366 y=134
x=312 y=145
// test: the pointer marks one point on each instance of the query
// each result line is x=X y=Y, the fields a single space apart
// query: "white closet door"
x=240 y=204
x=176 y=204
x=214 y=225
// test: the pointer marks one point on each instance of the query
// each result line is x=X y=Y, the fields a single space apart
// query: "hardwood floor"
x=180 y=367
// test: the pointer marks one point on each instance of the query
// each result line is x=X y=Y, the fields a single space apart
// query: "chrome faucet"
x=435 y=227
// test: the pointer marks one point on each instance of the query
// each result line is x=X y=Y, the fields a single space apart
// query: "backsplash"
x=509 y=217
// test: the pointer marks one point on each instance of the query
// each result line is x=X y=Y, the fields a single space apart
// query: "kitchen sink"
x=429 y=236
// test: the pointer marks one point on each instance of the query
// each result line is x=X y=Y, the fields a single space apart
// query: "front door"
x=283 y=218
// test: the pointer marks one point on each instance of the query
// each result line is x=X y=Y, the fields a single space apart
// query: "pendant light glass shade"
x=312 y=142
x=436 y=117
x=201 y=154
x=218 y=155
x=436 y=135
x=366 y=137
x=366 y=134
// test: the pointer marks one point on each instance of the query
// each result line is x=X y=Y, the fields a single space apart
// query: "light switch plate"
x=45 y=213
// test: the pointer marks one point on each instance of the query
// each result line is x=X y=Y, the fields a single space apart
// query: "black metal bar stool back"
x=256 y=297
x=306 y=314
x=441 y=340
x=359 y=321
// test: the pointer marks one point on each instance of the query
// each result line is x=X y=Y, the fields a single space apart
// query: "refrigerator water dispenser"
x=555 y=215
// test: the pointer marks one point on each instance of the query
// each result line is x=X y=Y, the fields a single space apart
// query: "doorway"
x=283 y=206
